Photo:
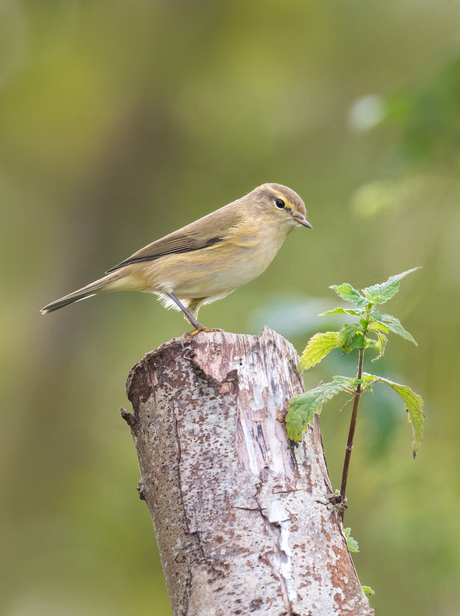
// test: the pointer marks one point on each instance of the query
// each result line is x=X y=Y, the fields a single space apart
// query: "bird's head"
x=279 y=203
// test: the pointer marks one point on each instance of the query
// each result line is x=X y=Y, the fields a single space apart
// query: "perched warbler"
x=209 y=258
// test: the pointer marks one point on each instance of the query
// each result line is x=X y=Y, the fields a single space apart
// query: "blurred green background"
x=122 y=121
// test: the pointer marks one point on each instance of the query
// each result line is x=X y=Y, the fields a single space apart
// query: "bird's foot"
x=196 y=331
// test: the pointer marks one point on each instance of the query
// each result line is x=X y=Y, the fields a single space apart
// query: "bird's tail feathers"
x=81 y=294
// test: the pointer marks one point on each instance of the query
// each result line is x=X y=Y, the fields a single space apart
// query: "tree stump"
x=242 y=515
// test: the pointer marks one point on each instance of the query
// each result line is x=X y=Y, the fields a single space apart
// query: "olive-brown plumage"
x=209 y=258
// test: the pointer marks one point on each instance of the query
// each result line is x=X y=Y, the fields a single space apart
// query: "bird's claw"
x=196 y=331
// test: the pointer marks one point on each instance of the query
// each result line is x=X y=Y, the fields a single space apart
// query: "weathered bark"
x=241 y=515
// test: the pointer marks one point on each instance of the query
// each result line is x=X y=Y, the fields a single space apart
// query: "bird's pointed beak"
x=301 y=220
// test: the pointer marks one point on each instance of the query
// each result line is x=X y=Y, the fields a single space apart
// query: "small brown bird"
x=209 y=258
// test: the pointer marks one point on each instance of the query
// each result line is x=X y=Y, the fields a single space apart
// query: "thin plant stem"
x=351 y=433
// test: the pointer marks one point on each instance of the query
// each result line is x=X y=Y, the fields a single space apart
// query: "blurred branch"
x=242 y=516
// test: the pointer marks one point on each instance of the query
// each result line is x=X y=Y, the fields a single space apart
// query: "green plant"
x=369 y=333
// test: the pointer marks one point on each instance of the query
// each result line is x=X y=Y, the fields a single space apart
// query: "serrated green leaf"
x=413 y=404
x=366 y=381
x=368 y=590
x=302 y=408
x=380 y=345
x=349 y=294
x=341 y=310
x=381 y=293
x=395 y=326
x=317 y=348
x=360 y=341
x=352 y=543
x=367 y=378
x=346 y=335
x=377 y=326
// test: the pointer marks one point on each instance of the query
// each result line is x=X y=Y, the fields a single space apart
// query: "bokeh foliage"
x=121 y=121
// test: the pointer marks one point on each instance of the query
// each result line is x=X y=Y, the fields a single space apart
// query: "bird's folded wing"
x=203 y=233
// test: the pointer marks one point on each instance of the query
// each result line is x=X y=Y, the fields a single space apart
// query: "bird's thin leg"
x=191 y=319
x=196 y=324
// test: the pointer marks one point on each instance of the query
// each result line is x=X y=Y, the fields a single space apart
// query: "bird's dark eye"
x=280 y=204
